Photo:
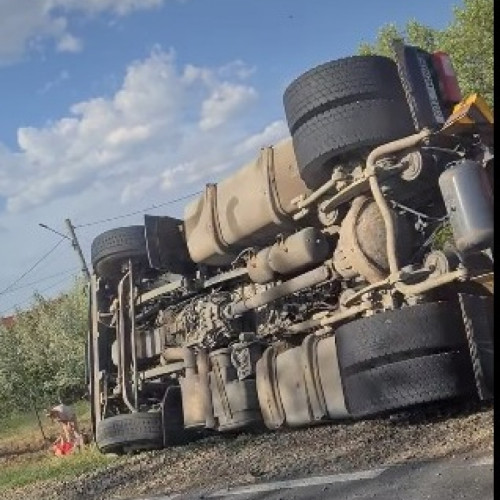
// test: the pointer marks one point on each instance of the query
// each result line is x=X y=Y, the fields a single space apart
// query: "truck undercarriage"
x=308 y=286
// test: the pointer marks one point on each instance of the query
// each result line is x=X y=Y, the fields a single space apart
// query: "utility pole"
x=78 y=249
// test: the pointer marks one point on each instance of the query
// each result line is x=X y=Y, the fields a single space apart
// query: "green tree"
x=43 y=353
x=382 y=45
x=414 y=33
x=468 y=39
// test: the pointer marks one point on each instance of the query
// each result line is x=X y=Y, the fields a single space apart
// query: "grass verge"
x=25 y=457
x=24 y=426
x=50 y=467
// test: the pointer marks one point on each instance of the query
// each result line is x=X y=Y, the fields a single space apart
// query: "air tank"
x=298 y=252
x=468 y=197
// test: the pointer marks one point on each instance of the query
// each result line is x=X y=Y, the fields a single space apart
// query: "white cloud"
x=237 y=68
x=112 y=155
x=272 y=134
x=121 y=7
x=69 y=43
x=168 y=177
x=135 y=190
x=58 y=80
x=234 y=70
x=21 y=22
x=25 y=24
x=124 y=135
x=225 y=101
x=195 y=73
x=167 y=127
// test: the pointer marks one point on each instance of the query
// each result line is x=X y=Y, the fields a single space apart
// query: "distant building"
x=7 y=321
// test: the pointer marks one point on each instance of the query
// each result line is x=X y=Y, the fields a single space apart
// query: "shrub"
x=43 y=353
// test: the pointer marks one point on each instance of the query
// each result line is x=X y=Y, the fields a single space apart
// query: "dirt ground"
x=221 y=461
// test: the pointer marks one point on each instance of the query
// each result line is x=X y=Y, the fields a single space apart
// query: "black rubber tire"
x=130 y=432
x=343 y=107
x=403 y=358
x=407 y=383
x=111 y=249
x=424 y=328
x=340 y=82
x=348 y=128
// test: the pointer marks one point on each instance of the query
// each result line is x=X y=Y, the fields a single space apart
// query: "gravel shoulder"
x=222 y=461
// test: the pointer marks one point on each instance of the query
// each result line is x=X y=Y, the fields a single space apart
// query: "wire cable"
x=39 y=292
x=137 y=212
x=40 y=260
x=45 y=278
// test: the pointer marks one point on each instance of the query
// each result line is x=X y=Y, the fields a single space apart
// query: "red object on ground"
x=62 y=448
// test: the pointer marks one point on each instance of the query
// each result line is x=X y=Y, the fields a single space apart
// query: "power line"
x=41 y=259
x=137 y=212
x=45 y=278
x=51 y=286
x=15 y=306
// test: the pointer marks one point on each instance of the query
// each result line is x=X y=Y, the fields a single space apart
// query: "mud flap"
x=172 y=417
x=477 y=314
x=165 y=244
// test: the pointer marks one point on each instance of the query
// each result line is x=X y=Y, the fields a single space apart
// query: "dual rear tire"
x=403 y=358
x=339 y=109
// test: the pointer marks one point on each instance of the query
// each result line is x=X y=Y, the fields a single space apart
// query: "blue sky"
x=111 y=106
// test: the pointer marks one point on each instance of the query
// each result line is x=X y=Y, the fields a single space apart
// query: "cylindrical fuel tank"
x=468 y=197
x=259 y=270
x=298 y=252
x=249 y=208
x=301 y=386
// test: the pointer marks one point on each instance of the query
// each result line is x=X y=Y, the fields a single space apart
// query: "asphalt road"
x=459 y=478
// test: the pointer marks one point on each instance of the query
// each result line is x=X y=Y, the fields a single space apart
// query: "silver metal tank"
x=468 y=197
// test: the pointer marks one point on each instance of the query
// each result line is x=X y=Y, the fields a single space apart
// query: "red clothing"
x=62 y=448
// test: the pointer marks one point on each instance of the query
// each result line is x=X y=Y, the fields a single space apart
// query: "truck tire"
x=130 y=432
x=430 y=327
x=343 y=106
x=340 y=82
x=410 y=382
x=111 y=249
x=403 y=358
x=352 y=127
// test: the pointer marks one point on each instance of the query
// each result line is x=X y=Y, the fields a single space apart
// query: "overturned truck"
x=309 y=285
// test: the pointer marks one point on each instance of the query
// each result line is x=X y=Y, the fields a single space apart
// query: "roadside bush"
x=42 y=355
